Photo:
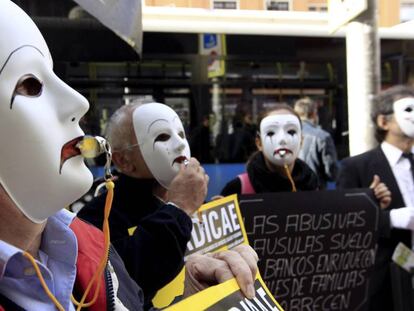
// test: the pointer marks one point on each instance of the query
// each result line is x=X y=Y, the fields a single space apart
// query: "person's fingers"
x=239 y=268
x=201 y=170
x=240 y=263
x=194 y=280
x=250 y=256
x=380 y=189
x=383 y=193
x=385 y=198
x=193 y=163
x=380 y=186
x=385 y=202
x=207 y=270
x=194 y=168
x=375 y=182
x=247 y=250
x=182 y=168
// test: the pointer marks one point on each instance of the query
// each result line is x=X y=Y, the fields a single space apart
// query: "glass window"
x=225 y=4
x=275 y=5
x=406 y=11
x=318 y=7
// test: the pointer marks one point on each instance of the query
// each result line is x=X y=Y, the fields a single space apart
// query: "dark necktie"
x=409 y=157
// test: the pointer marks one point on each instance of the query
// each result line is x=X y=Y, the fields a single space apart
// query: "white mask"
x=404 y=114
x=161 y=139
x=280 y=135
x=35 y=127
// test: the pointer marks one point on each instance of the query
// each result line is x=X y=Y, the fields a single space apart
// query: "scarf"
x=263 y=180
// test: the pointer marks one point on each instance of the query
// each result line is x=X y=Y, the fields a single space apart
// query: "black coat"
x=153 y=254
x=263 y=180
x=358 y=172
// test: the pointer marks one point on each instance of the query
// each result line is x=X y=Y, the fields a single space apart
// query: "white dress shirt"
x=401 y=168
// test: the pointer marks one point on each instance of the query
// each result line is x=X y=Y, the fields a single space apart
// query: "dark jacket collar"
x=263 y=180
x=133 y=196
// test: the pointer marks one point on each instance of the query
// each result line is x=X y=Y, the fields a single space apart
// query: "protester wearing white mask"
x=275 y=167
x=41 y=171
x=280 y=138
x=32 y=97
x=158 y=187
x=404 y=115
x=161 y=139
x=391 y=162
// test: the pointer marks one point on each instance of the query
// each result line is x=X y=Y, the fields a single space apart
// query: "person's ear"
x=259 y=143
x=122 y=162
x=383 y=122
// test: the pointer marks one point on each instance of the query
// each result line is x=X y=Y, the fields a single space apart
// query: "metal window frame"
x=290 y=4
x=213 y=1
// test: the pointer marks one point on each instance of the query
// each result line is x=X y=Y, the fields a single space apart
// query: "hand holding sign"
x=381 y=192
x=316 y=249
x=189 y=188
x=203 y=271
x=221 y=228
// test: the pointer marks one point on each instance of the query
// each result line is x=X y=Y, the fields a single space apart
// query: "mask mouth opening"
x=69 y=150
x=282 y=152
x=180 y=160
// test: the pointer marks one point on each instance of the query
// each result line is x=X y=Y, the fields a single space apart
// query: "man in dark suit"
x=393 y=117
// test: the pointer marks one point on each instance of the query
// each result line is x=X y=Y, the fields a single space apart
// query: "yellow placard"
x=217 y=226
x=227 y=296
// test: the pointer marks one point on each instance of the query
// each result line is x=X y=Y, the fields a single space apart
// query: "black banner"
x=316 y=249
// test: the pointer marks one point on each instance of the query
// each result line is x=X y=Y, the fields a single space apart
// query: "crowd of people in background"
x=286 y=151
x=293 y=153
x=236 y=141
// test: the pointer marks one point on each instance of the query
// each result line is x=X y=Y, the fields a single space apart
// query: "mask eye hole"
x=292 y=132
x=162 y=137
x=28 y=85
x=408 y=109
x=270 y=134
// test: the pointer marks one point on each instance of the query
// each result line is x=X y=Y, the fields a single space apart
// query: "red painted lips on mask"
x=180 y=159
x=69 y=150
x=282 y=152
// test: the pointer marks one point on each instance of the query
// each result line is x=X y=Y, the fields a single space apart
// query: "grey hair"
x=383 y=104
x=305 y=107
x=120 y=129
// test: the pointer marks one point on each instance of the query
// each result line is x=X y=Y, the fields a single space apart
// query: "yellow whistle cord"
x=98 y=273
x=42 y=281
x=289 y=176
